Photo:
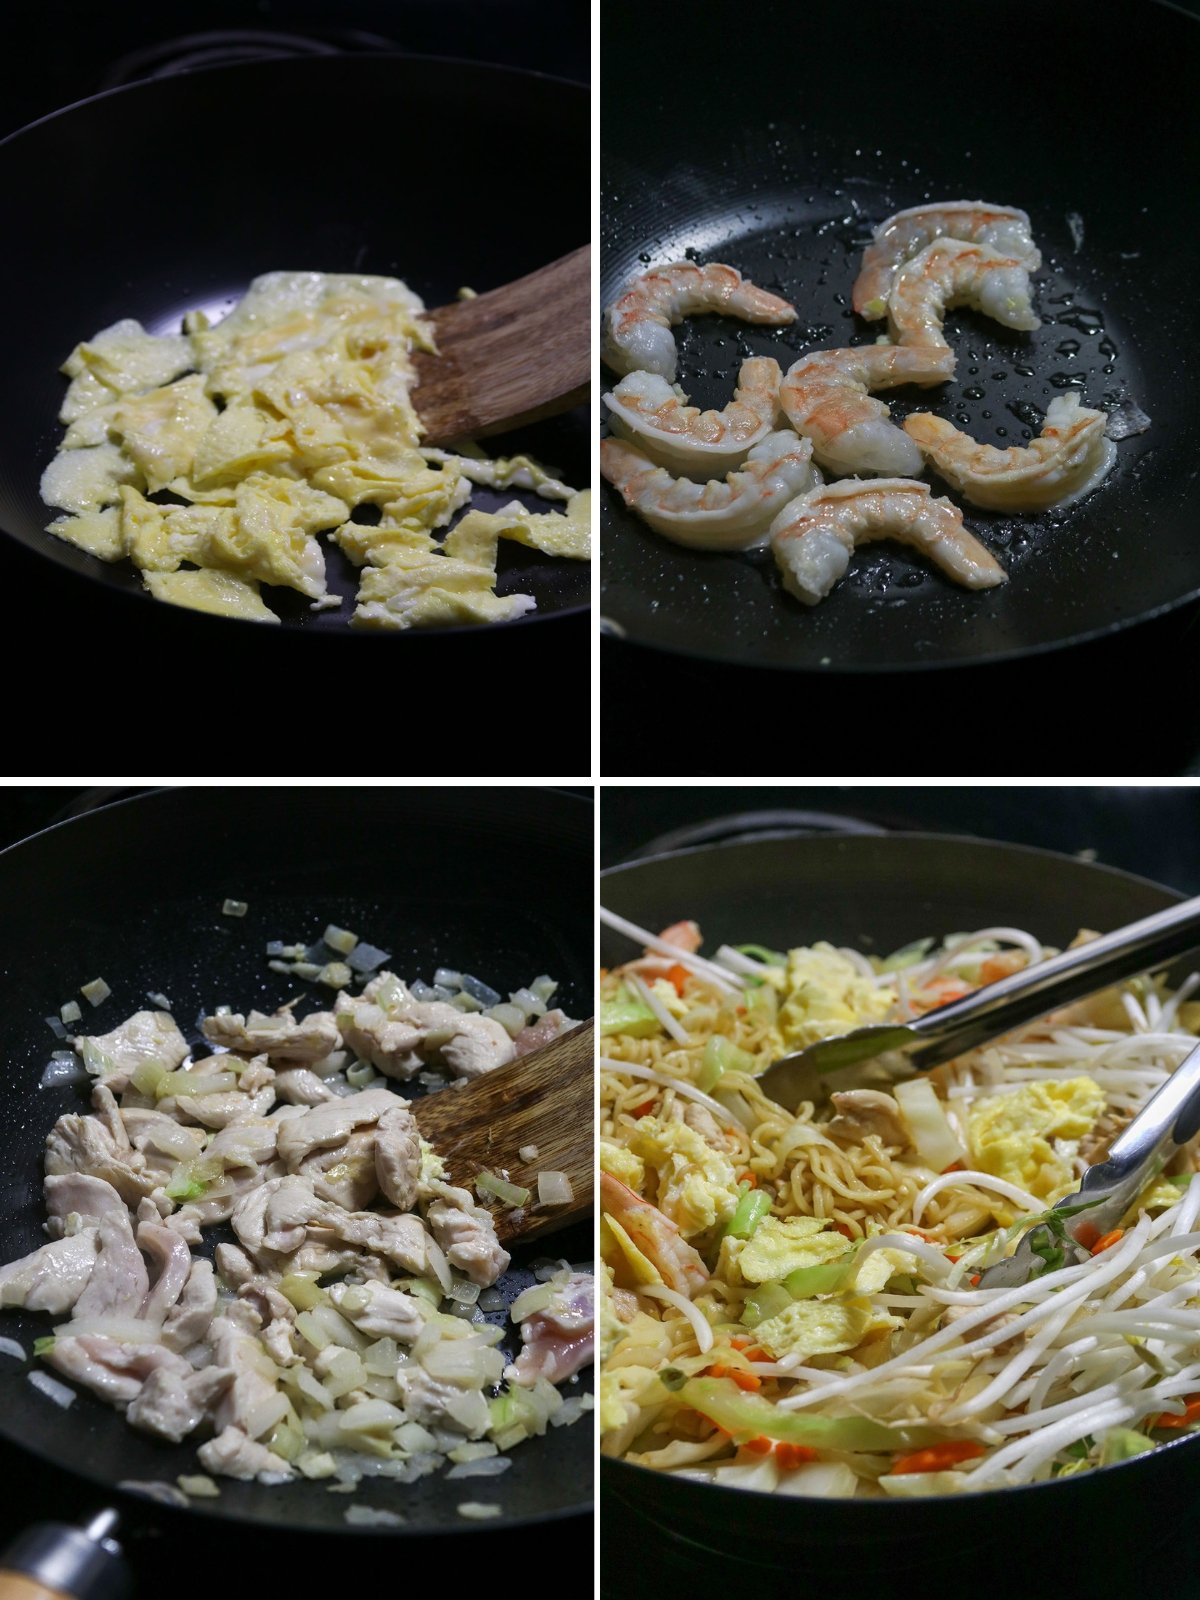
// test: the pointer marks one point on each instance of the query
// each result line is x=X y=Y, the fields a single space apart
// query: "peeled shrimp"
x=648 y=410
x=727 y=514
x=1066 y=461
x=813 y=538
x=951 y=273
x=908 y=232
x=825 y=397
x=660 y=1241
x=638 y=335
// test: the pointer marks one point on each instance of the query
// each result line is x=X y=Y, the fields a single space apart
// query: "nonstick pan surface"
x=878 y=893
x=777 y=149
x=172 y=194
x=498 y=883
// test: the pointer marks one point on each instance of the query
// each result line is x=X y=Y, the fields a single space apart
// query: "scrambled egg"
x=781 y=1244
x=824 y=994
x=697 y=1186
x=274 y=426
x=822 y=1327
x=620 y=1162
x=1029 y=1136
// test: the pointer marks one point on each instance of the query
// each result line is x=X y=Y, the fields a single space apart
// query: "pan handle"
x=55 y=1561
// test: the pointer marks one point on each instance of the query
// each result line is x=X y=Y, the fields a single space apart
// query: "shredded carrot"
x=921 y=1234
x=1087 y=1233
x=958 y=1257
x=757 y=1353
x=749 y=1177
x=644 y=1109
x=844 y=1229
x=676 y=975
x=938 y=1456
x=741 y=1011
x=975 y=1277
x=955 y=1166
x=744 y=1380
x=718 y=1370
x=1002 y=965
x=762 y=1446
x=794 y=1455
x=739 y=1344
x=1171 y=1419
x=1108 y=1240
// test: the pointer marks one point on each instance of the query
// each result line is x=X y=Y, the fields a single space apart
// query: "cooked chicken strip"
x=146 y=1036
x=232 y=1455
x=52 y=1278
x=113 y=1370
x=145 y=1131
x=326 y=1126
x=558 y=1340
x=400 y=1239
x=234 y=1265
x=251 y=1402
x=189 y=1321
x=479 y=1045
x=73 y=1193
x=226 y=1106
x=701 y=1120
x=106 y=1108
x=172 y=1406
x=84 y=1144
x=866 y=1111
x=174 y=1261
x=281 y=1036
x=467 y=1234
x=345 y=1176
x=246 y=1143
x=398 y=1157
x=389 y=1314
x=426 y=1400
x=119 y=1282
x=300 y=1087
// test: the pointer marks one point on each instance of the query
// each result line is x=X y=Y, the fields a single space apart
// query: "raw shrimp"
x=638 y=335
x=659 y=1240
x=656 y=416
x=951 y=273
x=825 y=397
x=1066 y=461
x=727 y=514
x=813 y=538
x=908 y=232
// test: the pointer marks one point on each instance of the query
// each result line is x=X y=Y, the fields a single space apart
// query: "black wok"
x=174 y=193
x=496 y=882
x=779 y=152
x=877 y=893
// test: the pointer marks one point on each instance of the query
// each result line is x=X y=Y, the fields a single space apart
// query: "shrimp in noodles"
x=721 y=515
x=1066 y=461
x=638 y=335
x=908 y=232
x=950 y=273
x=813 y=538
x=826 y=398
x=655 y=415
x=656 y=1236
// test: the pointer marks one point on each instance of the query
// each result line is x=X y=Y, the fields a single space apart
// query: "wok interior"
x=134 y=895
x=877 y=894
x=173 y=195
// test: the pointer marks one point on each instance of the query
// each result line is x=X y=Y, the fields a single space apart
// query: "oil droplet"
x=1086 y=321
x=1068 y=380
x=971 y=371
x=1069 y=347
x=962 y=416
x=1028 y=414
x=1002 y=433
x=645 y=258
x=1107 y=348
x=972 y=394
x=1023 y=372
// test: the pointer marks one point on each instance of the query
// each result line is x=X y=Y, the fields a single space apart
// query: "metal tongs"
x=1168 y=1119
x=997 y=1008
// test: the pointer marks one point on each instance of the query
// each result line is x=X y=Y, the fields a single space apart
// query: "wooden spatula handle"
x=509 y=357
x=15 y=1586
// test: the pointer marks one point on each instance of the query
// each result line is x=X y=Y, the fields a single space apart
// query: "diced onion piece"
x=335 y=975
x=360 y=1074
x=96 y=991
x=509 y=1194
x=933 y=1137
x=56 y=1028
x=544 y=988
x=445 y=979
x=413 y=1437
x=477 y=1511
x=483 y=992
x=536 y=1298
x=160 y=1000
x=58 y=1072
x=531 y=1004
x=371 y=1517
x=465 y=1002
x=457 y=1362
x=147 y=1076
x=58 y=1392
x=199 y=1487
x=484 y=1467
x=340 y=939
x=317 y=1464
x=554 y=1189
x=511 y=1018
x=491 y=1300
x=194 y=1083
x=438 y=1265
x=308 y=970
x=465 y=1292
x=367 y=957
x=70 y=1012
x=10 y=1347
x=172 y=1140
x=382 y=1358
x=234 y=908
x=528 y=1152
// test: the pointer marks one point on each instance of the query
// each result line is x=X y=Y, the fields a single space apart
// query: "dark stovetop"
x=1154 y=832
x=35 y=1492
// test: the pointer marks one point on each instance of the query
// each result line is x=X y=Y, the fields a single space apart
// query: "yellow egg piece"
x=781 y=1244
x=822 y=1327
x=1014 y=1136
x=697 y=1186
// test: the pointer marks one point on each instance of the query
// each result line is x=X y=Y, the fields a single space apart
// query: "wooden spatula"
x=543 y=1099
x=509 y=357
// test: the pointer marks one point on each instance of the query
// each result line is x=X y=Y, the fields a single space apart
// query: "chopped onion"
x=56 y=1028
x=511 y=1018
x=465 y=1002
x=444 y=978
x=10 y=1347
x=484 y=1467
x=59 y=1071
x=531 y=1004
x=361 y=1074
x=477 y=1511
x=509 y=1194
x=483 y=992
x=465 y=1292
x=96 y=991
x=163 y=1004
x=536 y=1298
x=335 y=975
x=366 y=957
x=126 y=1330
x=438 y=1265
x=58 y=1392
x=932 y=1136
x=340 y=939
x=370 y=1517
x=200 y=1487
x=491 y=1300
x=528 y=1152
x=456 y=1361
x=70 y=1012
x=153 y=1489
x=544 y=988
x=554 y=1189
x=235 y=908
